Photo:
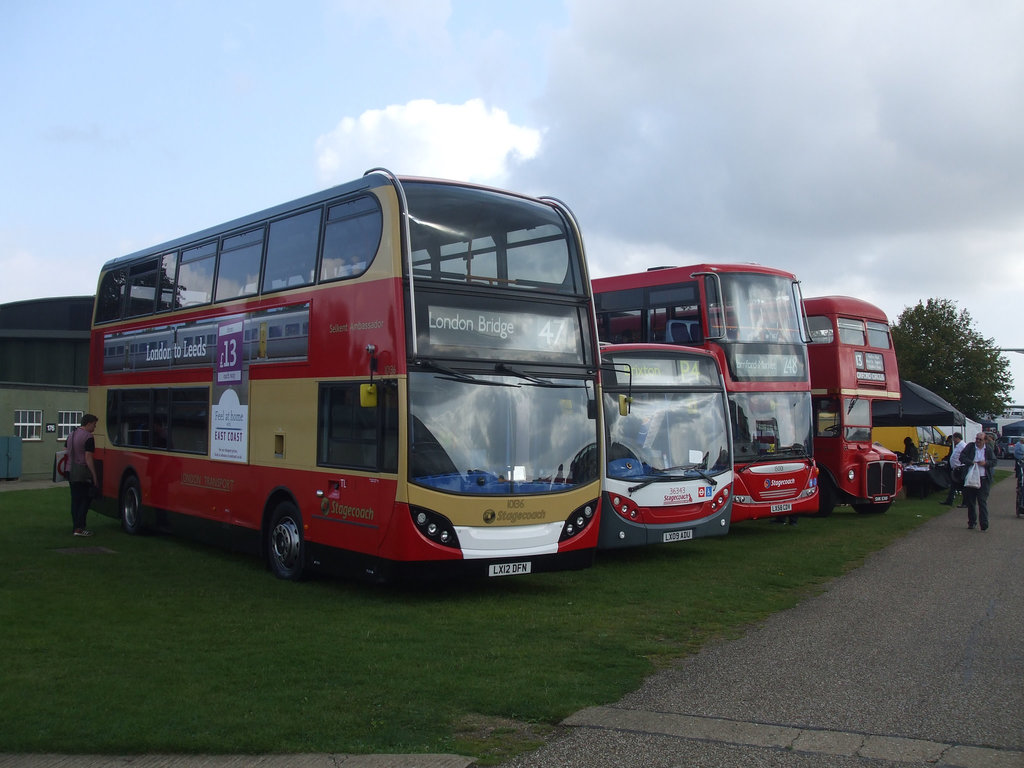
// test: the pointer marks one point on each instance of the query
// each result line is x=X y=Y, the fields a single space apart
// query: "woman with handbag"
x=980 y=460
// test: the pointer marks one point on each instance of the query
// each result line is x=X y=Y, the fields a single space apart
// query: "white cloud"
x=468 y=142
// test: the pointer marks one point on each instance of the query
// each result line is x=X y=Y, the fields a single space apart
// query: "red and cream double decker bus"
x=751 y=318
x=668 y=453
x=853 y=365
x=390 y=374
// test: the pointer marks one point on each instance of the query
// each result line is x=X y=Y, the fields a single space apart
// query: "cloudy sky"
x=875 y=148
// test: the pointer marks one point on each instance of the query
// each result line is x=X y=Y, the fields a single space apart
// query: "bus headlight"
x=437 y=528
x=578 y=521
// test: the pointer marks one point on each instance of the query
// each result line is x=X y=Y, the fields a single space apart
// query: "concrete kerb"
x=813 y=741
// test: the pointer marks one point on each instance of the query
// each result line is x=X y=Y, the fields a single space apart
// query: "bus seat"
x=677 y=332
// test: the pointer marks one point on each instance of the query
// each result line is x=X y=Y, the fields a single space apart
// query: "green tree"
x=938 y=347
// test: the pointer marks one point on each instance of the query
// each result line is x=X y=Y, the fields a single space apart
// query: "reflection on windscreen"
x=500 y=434
x=481 y=237
x=678 y=433
x=771 y=423
x=760 y=308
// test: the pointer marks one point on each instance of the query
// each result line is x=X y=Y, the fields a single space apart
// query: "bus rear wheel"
x=285 y=546
x=131 y=506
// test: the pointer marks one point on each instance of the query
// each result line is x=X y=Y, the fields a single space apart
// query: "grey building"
x=44 y=373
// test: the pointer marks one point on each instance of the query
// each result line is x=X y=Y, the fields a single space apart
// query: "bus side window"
x=291 y=251
x=351 y=239
x=110 y=297
x=350 y=435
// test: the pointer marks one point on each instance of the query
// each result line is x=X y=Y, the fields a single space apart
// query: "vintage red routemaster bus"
x=751 y=318
x=853 y=365
x=394 y=375
x=668 y=455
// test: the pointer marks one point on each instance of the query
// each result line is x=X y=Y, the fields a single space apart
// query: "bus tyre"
x=131 y=506
x=285 y=547
x=827 y=496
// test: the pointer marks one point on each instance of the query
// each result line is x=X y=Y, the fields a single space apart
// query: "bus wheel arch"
x=129 y=503
x=284 y=543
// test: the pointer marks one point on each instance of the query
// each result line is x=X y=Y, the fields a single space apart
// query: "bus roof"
x=372 y=179
x=844 y=305
x=662 y=275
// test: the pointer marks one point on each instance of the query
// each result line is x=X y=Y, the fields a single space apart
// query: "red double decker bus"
x=853 y=365
x=392 y=375
x=668 y=468
x=751 y=318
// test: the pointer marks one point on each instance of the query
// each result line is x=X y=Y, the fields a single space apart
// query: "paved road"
x=914 y=659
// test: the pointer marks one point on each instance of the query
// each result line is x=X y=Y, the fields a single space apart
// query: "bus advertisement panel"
x=391 y=376
x=853 y=366
x=668 y=453
x=751 y=318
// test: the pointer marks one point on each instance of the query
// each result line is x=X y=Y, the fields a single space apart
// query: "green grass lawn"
x=120 y=644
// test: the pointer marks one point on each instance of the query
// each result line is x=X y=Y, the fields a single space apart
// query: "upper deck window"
x=483 y=238
x=352 y=238
x=851 y=331
x=821 y=329
x=238 y=271
x=291 y=251
x=878 y=335
x=195 y=275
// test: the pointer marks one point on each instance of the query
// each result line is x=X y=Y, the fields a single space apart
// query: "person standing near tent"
x=978 y=457
x=955 y=486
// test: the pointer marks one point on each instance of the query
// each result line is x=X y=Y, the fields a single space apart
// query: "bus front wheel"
x=131 y=506
x=285 y=547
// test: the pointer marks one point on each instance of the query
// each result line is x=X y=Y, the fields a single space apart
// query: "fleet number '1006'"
x=509 y=569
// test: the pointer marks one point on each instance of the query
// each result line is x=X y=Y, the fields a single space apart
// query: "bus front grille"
x=881 y=478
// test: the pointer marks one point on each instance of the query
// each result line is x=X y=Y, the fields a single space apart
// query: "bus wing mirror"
x=368 y=395
x=624 y=401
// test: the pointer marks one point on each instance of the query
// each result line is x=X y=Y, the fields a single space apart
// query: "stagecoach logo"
x=330 y=508
x=770 y=483
x=513 y=516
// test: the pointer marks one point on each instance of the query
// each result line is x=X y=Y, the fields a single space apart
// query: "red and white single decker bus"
x=751 y=319
x=668 y=456
x=395 y=375
x=853 y=365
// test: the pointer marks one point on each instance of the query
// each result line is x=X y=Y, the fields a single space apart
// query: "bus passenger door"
x=358 y=449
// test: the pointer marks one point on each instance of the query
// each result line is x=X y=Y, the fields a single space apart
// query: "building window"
x=67 y=422
x=28 y=425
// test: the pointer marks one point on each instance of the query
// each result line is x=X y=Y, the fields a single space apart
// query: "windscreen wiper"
x=503 y=368
x=668 y=478
x=451 y=373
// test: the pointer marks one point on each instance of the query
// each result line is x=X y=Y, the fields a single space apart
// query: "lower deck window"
x=162 y=418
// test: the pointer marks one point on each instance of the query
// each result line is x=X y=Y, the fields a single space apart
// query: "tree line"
x=938 y=347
